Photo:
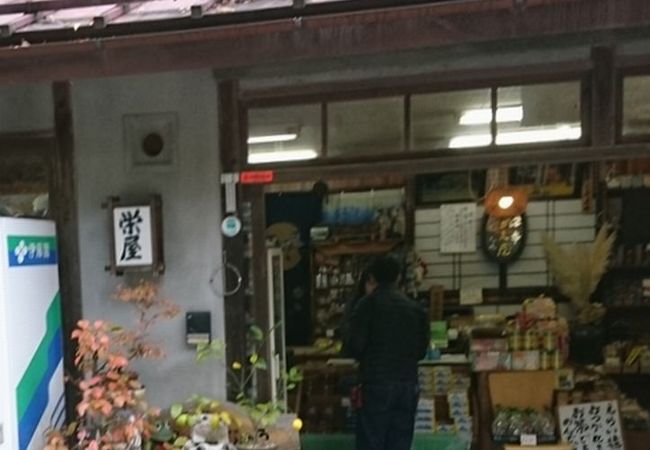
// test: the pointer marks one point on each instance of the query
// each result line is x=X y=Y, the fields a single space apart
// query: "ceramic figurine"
x=162 y=434
x=204 y=430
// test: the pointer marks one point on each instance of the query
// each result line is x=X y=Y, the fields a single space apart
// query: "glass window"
x=538 y=113
x=24 y=186
x=284 y=134
x=451 y=120
x=365 y=127
x=636 y=106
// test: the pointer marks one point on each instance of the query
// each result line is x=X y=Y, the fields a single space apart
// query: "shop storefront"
x=498 y=149
x=509 y=203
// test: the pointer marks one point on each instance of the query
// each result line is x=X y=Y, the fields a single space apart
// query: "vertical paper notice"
x=458 y=228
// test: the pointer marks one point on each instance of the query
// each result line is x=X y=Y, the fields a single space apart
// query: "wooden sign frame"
x=157 y=265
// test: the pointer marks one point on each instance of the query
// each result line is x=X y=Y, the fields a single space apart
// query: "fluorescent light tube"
x=563 y=133
x=281 y=156
x=270 y=138
x=472 y=140
x=483 y=116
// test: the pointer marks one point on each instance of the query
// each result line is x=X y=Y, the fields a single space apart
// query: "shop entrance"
x=476 y=299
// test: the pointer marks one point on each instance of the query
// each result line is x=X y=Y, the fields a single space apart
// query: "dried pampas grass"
x=577 y=270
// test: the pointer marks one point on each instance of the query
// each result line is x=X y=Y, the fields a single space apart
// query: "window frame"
x=324 y=94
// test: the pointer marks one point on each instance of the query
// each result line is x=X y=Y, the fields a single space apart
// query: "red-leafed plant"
x=111 y=412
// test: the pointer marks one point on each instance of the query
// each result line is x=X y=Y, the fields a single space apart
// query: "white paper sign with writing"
x=458 y=228
x=133 y=236
x=591 y=426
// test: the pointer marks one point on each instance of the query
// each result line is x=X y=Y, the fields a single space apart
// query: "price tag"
x=528 y=440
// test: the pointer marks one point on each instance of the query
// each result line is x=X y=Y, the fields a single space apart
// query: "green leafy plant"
x=241 y=377
x=111 y=411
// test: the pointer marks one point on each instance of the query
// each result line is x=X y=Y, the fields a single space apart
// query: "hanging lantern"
x=505 y=202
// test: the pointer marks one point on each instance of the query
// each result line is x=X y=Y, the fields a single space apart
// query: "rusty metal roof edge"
x=348 y=34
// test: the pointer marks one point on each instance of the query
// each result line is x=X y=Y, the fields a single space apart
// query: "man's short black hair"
x=385 y=270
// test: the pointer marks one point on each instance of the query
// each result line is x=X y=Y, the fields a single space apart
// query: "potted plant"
x=203 y=420
x=241 y=375
x=112 y=411
x=577 y=271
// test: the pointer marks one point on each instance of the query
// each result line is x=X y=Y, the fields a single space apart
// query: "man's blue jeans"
x=387 y=417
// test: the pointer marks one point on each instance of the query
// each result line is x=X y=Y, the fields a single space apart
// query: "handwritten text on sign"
x=458 y=228
x=133 y=237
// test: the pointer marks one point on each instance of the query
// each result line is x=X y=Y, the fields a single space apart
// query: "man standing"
x=389 y=334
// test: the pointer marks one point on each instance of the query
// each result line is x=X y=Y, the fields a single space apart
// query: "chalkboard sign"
x=503 y=238
x=591 y=426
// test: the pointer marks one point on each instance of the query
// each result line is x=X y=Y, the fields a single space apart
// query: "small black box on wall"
x=198 y=327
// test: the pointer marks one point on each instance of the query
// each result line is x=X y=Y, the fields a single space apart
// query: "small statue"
x=205 y=436
x=162 y=434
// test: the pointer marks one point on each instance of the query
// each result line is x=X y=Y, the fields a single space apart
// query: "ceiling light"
x=475 y=140
x=562 y=133
x=281 y=156
x=483 y=116
x=270 y=138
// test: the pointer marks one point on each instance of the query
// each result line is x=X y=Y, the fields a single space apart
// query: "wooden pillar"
x=247 y=251
x=64 y=204
x=234 y=248
x=255 y=196
x=604 y=93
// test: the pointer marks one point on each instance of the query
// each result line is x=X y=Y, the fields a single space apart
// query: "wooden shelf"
x=629 y=271
x=356 y=247
x=501 y=297
x=627 y=308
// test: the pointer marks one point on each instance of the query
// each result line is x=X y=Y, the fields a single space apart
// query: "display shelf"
x=630 y=270
x=627 y=308
x=329 y=248
x=343 y=261
x=502 y=297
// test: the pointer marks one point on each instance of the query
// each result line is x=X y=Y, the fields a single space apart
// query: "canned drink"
x=550 y=341
x=557 y=360
x=515 y=341
x=545 y=361
x=530 y=341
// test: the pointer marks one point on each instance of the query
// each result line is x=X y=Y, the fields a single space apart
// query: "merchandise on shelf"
x=444 y=388
x=536 y=339
x=626 y=357
x=510 y=424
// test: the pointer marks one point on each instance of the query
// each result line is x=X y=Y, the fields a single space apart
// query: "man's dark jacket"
x=389 y=334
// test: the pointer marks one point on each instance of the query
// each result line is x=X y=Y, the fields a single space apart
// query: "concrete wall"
x=191 y=210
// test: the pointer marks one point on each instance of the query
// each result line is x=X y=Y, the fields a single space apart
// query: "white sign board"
x=133 y=236
x=31 y=334
x=458 y=228
x=471 y=296
x=591 y=426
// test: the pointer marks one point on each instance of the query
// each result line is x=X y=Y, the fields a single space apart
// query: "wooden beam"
x=604 y=118
x=466 y=159
x=287 y=40
x=254 y=194
x=441 y=81
x=234 y=248
x=64 y=200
